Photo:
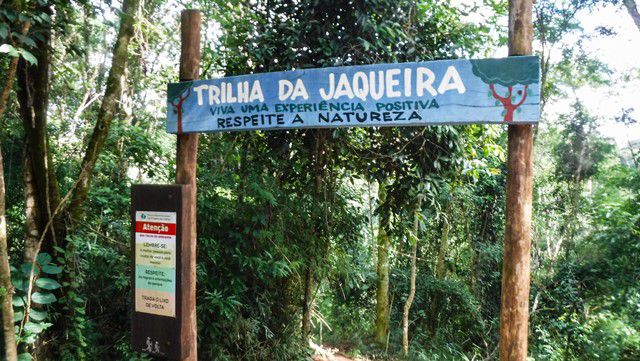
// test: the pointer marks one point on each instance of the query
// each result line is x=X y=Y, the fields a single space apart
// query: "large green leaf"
x=44 y=298
x=43 y=258
x=37 y=315
x=8 y=49
x=25 y=40
x=26 y=269
x=17 y=301
x=4 y=31
x=30 y=338
x=33 y=327
x=24 y=357
x=47 y=283
x=20 y=284
x=51 y=269
x=28 y=56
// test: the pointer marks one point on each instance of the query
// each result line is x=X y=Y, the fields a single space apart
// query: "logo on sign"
x=153 y=348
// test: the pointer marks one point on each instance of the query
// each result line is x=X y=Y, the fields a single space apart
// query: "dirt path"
x=326 y=353
x=335 y=357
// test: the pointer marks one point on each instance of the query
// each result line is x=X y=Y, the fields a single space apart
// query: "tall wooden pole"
x=514 y=313
x=186 y=159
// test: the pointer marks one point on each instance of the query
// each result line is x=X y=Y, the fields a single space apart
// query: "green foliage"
x=274 y=218
x=15 y=42
x=586 y=297
x=581 y=150
x=274 y=205
x=32 y=297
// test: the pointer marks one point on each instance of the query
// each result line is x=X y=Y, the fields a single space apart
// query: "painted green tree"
x=509 y=75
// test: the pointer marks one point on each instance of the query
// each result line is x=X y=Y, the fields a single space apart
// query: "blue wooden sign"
x=404 y=94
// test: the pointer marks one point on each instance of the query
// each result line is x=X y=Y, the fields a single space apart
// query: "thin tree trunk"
x=412 y=280
x=108 y=108
x=307 y=302
x=5 y=272
x=32 y=239
x=382 y=289
x=8 y=85
x=6 y=295
x=10 y=346
x=11 y=70
x=321 y=156
x=441 y=268
x=371 y=232
x=632 y=8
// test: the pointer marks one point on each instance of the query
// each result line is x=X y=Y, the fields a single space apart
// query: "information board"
x=160 y=263
x=155 y=263
x=404 y=94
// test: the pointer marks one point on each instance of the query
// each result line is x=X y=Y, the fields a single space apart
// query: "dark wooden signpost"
x=162 y=263
x=503 y=91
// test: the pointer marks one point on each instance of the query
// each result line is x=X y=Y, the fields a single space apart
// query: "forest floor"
x=330 y=353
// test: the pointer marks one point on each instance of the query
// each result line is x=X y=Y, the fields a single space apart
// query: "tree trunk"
x=321 y=160
x=10 y=346
x=307 y=302
x=412 y=280
x=382 y=289
x=487 y=221
x=43 y=228
x=632 y=8
x=6 y=295
x=32 y=218
x=441 y=268
x=10 y=75
x=108 y=108
x=371 y=232
x=33 y=97
x=8 y=85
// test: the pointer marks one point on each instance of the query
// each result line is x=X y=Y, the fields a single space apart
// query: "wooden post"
x=514 y=313
x=186 y=159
